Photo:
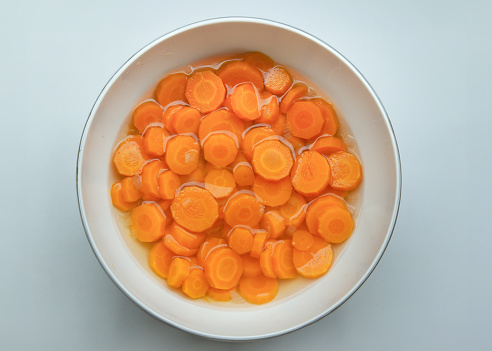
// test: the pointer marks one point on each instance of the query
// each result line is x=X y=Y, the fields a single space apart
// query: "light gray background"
x=429 y=62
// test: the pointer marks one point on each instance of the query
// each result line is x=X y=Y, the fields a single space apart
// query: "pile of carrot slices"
x=236 y=174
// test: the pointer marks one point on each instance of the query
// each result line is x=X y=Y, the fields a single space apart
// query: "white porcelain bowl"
x=299 y=302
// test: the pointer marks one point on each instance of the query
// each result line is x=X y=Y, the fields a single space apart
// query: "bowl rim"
x=239 y=19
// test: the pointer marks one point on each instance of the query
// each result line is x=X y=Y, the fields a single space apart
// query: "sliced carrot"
x=205 y=91
x=294 y=94
x=278 y=80
x=273 y=193
x=177 y=248
x=273 y=223
x=279 y=126
x=171 y=88
x=304 y=119
x=266 y=262
x=260 y=238
x=221 y=121
x=186 y=120
x=242 y=171
x=195 y=209
x=335 y=224
x=117 y=198
x=153 y=140
x=237 y=72
x=168 y=182
x=302 y=240
x=148 y=223
x=272 y=159
x=208 y=245
x=219 y=295
x=269 y=108
x=220 y=183
x=252 y=137
x=130 y=189
x=195 y=285
x=258 y=290
x=160 y=258
x=146 y=113
x=240 y=239
x=129 y=158
x=346 y=173
x=228 y=103
x=182 y=154
x=179 y=270
x=185 y=237
x=150 y=178
x=259 y=60
x=294 y=210
x=317 y=207
x=311 y=173
x=251 y=266
x=329 y=115
x=283 y=266
x=297 y=144
x=223 y=267
x=315 y=261
x=220 y=149
x=169 y=115
x=244 y=101
x=197 y=175
x=327 y=145
x=243 y=209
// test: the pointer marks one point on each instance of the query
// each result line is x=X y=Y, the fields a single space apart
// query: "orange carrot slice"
x=243 y=209
x=278 y=80
x=259 y=60
x=266 y=262
x=221 y=121
x=237 y=72
x=316 y=207
x=294 y=210
x=150 y=178
x=258 y=290
x=273 y=193
x=160 y=258
x=186 y=120
x=242 y=171
x=129 y=158
x=327 y=145
x=146 y=113
x=244 y=102
x=223 y=267
x=195 y=209
x=335 y=224
x=260 y=238
x=302 y=240
x=294 y=94
x=315 y=261
x=305 y=119
x=171 y=88
x=169 y=182
x=220 y=183
x=153 y=141
x=195 y=285
x=269 y=110
x=219 y=295
x=346 y=173
x=273 y=223
x=329 y=115
x=205 y=91
x=220 y=149
x=179 y=270
x=148 y=223
x=130 y=190
x=117 y=198
x=182 y=154
x=253 y=137
x=251 y=266
x=272 y=159
x=240 y=240
x=282 y=260
x=208 y=245
x=311 y=173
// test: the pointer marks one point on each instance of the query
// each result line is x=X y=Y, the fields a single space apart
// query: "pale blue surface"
x=429 y=62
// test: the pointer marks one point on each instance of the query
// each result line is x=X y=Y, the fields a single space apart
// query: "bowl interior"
x=126 y=261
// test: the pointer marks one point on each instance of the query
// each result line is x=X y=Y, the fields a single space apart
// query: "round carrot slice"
x=283 y=266
x=195 y=209
x=316 y=208
x=294 y=210
x=335 y=224
x=243 y=209
x=223 y=267
x=315 y=261
x=148 y=222
x=220 y=149
x=220 y=183
x=304 y=119
x=195 y=285
x=205 y=91
x=258 y=290
x=182 y=154
x=146 y=113
x=171 y=88
x=272 y=159
x=244 y=102
x=252 y=137
x=346 y=173
x=278 y=80
x=311 y=173
x=129 y=157
x=295 y=93
x=160 y=259
x=221 y=121
x=237 y=72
